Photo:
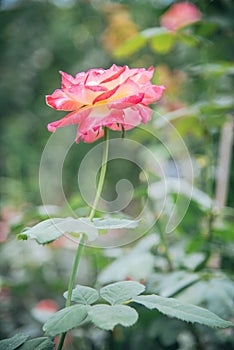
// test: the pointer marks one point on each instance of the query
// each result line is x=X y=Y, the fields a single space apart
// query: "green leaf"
x=108 y=316
x=183 y=311
x=188 y=39
x=137 y=265
x=130 y=46
x=83 y=295
x=224 y=229
x=119 y=292
x=161 y=39
x=114 y=223
x=49 y=230
x=150 y=33
x=207 y=27
x=65 y=319
x=215 y=69
x=162 y=43
x=172 y=283
x=42 y=343
x=183 y=187
x=14 y=342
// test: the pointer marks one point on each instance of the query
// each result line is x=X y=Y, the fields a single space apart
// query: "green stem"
x=165 y=246
x=208 y=232
x=102 y=174
x=71 y=283
x=82 y=239
x=74 y=270
x=163 y=240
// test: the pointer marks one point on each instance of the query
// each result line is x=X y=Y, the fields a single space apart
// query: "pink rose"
x=179 y=15
x=116 y=98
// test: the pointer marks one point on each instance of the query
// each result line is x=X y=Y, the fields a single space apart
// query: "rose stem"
x=82 y=239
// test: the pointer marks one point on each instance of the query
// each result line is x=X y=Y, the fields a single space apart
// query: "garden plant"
x=132 y=243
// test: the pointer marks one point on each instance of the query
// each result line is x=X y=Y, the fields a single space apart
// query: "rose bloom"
x=180 y=15
x=116 y=98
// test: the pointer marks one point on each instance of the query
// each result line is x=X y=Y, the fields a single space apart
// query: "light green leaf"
x=83 y=295
x=108 y=316
x=138 y=265
x=162 y=43
x=119 y=292
x=161 y=39
x=65 y=319
x=114 y=223
x=172 y=283
x=42 y=343
x=183 y=311
x=14 y=342
x=130 y=46
x=215 y=69
x=49 y=230
x=182 y=187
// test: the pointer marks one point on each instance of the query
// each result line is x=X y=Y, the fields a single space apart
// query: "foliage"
x=162 y=276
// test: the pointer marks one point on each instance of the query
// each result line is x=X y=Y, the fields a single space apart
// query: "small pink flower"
x=180 y=15
x=116 y=98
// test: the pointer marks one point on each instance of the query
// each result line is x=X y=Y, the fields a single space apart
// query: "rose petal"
x=127 y=101
x=67 y=79
x=116 y=97
x=90 y=136
x=90 y=129
x=71 y=118
x=94 y=76
x=85 y=94
x=115 y=75
x=62 y=101
x=145 y=112
x=105 y=95
x=152 y=93
x=127 y=88
x=100 y=115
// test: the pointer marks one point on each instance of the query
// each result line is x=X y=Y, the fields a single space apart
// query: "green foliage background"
x=37 y=39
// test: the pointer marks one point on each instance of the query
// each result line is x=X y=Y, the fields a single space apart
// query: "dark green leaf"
x=206 y=28
x=65 y=319
x=183 y=311
x=14 y=342
x=42 y=343
x=188 y=39
x=108 y=316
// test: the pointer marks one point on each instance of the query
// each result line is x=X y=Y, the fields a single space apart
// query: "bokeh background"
x=37 y=39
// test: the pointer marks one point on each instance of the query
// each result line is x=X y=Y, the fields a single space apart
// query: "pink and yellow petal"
x=62 y=101
x=71 y=118
x=152 y=93
x=127 y=101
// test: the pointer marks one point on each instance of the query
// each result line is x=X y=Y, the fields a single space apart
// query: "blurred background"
x=196 y=64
